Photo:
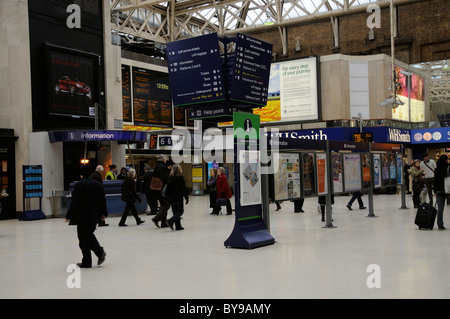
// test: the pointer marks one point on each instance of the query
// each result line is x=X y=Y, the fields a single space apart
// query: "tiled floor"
x=307 y=260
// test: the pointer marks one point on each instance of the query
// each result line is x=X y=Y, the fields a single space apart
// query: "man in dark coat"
x=88 y=207
x=129 y=196
x=161 y=171
x=97 y=175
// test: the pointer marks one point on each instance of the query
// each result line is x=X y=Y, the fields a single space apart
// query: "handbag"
x=447 y=182
x=221 y=202
x=156 y=184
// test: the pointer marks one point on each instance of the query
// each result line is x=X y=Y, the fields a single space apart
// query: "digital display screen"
x=152 y=103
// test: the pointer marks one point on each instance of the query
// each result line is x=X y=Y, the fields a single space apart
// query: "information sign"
x=251 y=70
x=195 y=70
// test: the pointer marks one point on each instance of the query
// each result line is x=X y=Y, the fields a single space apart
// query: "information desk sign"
x=251 y=71
x=195 y=70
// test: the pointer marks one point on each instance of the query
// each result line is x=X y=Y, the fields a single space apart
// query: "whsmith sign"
x=380 y=134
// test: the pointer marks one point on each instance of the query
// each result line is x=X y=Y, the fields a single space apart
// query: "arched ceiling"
x=165 y=21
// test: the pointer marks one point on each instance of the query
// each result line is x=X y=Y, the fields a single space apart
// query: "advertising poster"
x=376 y=170
x=250 y=178
x=411 y=91
x=392 y=168
x=322 y=185
x=384 y=169
x=309 y=184
x=72 y=83
x=292 y=92
x=197 y=173
x=399 y=169
x=287 y=176
x=352 y=172
x=336 y=171
x=365 y=159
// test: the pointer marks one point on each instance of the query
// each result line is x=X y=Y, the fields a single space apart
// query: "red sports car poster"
x=71 y=83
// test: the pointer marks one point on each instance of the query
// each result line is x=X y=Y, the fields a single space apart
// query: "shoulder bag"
x=447 y=182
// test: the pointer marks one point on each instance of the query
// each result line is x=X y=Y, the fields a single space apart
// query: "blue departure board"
x=195 y=71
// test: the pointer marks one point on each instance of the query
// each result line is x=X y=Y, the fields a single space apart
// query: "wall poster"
x=352 y=172
x=376 y=170
x=384 y=169
x=322 y=175
x=309 y=182
x=336 y=171
x=365 y=161
x=399 y=169
x=287 y=176
x=73 y=81
x=250 y=178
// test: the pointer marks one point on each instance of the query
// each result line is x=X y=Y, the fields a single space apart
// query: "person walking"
x=97 y=175
x=176 y=190
x=417 y=182
x=298 y=205
x=223 y=192
x=146 y=180
x=356 y=196
x=87 y=208
x=159 y=180
x=322 y=201
x=441 y=173
x=212 y=188
x=428 y=166
x=129 y=196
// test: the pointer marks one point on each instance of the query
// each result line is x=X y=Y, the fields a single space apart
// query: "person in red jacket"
x=223 y=192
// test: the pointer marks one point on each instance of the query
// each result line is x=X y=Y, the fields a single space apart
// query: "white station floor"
x=307 y=260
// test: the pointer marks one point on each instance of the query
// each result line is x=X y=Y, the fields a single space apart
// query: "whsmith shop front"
x=434 y=141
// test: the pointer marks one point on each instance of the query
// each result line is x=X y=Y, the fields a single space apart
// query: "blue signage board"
x=250 y=81
x=380 y=134
x=82 y=136
x=195 y=70
x=383 y=134
x=430 y=135
x=321 y=134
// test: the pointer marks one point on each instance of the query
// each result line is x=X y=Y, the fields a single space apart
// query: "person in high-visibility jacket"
x=112 y=172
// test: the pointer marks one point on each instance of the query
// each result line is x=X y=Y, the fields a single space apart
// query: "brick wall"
x=423 y=34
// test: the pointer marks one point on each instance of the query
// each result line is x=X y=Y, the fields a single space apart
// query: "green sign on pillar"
x=249 y=230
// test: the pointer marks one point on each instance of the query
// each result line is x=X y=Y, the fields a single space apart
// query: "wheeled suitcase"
x=425 y=217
